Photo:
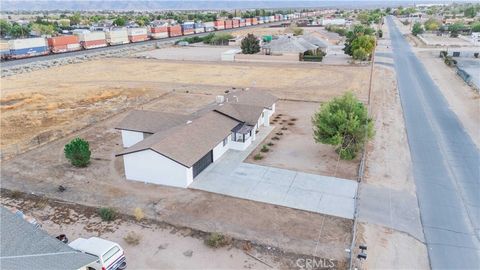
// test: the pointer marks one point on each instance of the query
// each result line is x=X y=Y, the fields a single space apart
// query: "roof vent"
x=219 y=99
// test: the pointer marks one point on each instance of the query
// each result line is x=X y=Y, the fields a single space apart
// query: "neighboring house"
x=172 y=149
x=23 y=246
x=291 y=45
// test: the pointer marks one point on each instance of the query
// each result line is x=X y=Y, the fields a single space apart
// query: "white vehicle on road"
x=110 y=255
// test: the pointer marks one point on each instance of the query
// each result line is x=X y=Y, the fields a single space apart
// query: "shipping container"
x=248 y=21
x=228 y=24
x=117 y=36
x=219 y=24
x=90 y=40
x=159 y=32
x=235 y=23
x=174 y=31
x=243 y=22
x=137 y=34
x=64 y=44
x=199 y=27
x=271 y=18
x=259 y=20
x=254 y=21
x=209 y=26
x=21 y=48
x=188 y=28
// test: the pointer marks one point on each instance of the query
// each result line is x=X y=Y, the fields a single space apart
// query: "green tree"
x=43 y=29
x=344 y=123
x=5 y=28
x=221 y=39
x=77 y=151
x=360 y=54
x=250 y=44
x=365 y=44
x=357 y=31
x=470 y=12
x=455 y=29
x=18 y=30
x=476 y=27
x=120 y=21
x=76 y=18
x=417 y=29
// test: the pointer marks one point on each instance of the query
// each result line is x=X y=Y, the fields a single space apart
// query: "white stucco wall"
x=151 y=167
x=219 y=149
x=130 y=138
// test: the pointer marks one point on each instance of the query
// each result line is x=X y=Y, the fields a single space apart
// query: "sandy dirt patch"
x=294 y=148
x=160 y=245
x=54 y=102
x=463 y=100
x=390 y=249
x=188 y=53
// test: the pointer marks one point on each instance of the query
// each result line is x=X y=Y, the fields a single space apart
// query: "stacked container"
x=117 y=36
x=157 y=32
x=254 y=21
x=219 y=24
x=199 y=27
x=64 y=44
x=248 y=21
x=235 y=23
x=260 y=20
x=209 y=26
x=175 y=30
x=243 y=22
x=137 y=34
x=228 y=24
x=90 y=40
x=271 y=19
x=20 y=48
x=188 y=28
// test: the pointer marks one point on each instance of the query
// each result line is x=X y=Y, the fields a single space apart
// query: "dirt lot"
x=188 y=53
x=160 y=245
x=44 y=105
x=433 y=39
x=294 y=147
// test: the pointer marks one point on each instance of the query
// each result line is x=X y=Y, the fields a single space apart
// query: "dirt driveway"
x=294 y=148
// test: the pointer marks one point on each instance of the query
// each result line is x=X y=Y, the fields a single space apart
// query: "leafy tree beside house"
x=431 y=25
x=455 y=29
x=250 y=44
x=77 y=151
x=476 y=27
x=344 y=123
x=417 y=29
x=362 y=47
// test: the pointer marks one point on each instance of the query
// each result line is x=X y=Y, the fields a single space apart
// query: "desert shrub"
x=279 y=133
x=216 y=240
x=107 y=213
x=264 y=149
x=417 y=29
x=293 y=119
x=443 y=54
x=291 y=124
x=250 y=44
x=258 y=157
x=15 y=194
x=270 y=144
x=138 y=213
x=475 y=55
x=285 y=128
x=275 y=138
x=77 y=151
x=132 y=238
x=344 y=123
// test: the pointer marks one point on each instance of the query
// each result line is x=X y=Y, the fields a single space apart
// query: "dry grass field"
x=48 y=104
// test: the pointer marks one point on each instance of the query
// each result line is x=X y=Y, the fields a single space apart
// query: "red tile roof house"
x=172 y=149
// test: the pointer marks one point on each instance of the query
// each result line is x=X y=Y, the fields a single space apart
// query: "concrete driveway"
x=310 y=192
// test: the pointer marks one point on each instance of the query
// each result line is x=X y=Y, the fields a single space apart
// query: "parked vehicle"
x=110 y=254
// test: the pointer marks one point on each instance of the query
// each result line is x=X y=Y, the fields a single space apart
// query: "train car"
x=188 y=28
x=259 y=20
x=199 y=28
x=174 y=30
x=137 y=34
x=117 y=36
x=65 y=43
x=27 y=47
x=209 y=26
x=248 y=21
x=254 y=21
x=228 y=24
x=157 y=32
x=243 y=22
x=235 y=23
x=91 y=40
x=271 y=19
x=219 y=24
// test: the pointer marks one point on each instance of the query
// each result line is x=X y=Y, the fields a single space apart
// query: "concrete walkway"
x=231 y=176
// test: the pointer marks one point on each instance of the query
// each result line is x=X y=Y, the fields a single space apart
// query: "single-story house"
x=295 y=45
x=24 y=246
x=172 y=149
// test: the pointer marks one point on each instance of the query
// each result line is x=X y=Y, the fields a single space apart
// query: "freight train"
x=84 y=39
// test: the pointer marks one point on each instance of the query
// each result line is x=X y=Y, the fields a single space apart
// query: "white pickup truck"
x=110 y=255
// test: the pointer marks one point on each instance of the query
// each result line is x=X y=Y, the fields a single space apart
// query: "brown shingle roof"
x=151 y=121
x=187 y=143
x=251 y=97
x=242 y=112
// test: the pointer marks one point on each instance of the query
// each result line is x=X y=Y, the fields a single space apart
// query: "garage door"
x=202 y=163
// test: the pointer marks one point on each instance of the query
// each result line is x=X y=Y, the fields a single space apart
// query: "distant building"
x=25 y=246
x=334 y=21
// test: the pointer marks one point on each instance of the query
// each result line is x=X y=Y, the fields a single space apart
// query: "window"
x=225 y=141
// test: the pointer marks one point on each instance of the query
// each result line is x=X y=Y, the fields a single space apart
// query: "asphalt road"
x=13 y=63
x=446 y=164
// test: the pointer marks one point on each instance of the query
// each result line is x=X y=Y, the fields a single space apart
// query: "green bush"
x=250 y=44
x=264 y=149
x=417 y=29
x=216 y=240
x=107 y=214
x=258 y=157
x=344 y=123
x=78 y=152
